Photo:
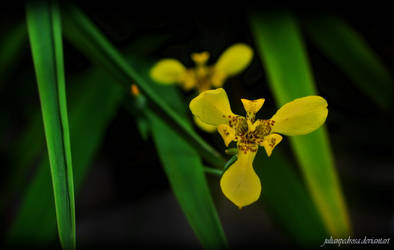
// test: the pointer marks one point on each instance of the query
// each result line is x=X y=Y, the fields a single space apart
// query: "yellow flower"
x=239 y=183
x=203 y=77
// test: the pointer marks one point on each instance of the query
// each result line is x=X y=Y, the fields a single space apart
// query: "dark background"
x=126 y=199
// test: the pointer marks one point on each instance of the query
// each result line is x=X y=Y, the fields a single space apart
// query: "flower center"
x=249 y=136
x=203 y=76
x=202 y=73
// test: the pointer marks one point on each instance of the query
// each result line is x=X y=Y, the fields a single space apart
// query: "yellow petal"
x=218 y=78
x=204 y=126
x=167 y=71
x=188 y=79
x=212 y=107
x=270 y=143
x=239 y=183
x=301 y=116
x=200 y=58
x=234 y=59
x=227 y=133
x=252 y=106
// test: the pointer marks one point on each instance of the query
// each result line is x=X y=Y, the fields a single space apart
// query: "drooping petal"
x=212 y=107
x=301 y=116
x=167 y=71
x=227 y=133
x=204 y=126
x=270 y=143
x=239 y=183
x=234 y=59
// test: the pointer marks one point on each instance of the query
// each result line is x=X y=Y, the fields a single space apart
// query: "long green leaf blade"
x=184 y=169
x=93 y=103
x=347 y=49
x=185 y=172
x=286 y=198
x=83 y=34
x=283 y=54
x=44 y=28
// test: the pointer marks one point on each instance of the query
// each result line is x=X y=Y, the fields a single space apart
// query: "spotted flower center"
x=249 y=135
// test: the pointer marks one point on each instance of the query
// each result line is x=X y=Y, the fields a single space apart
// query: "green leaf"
x=348 y=50
x=93 y=100
x=93 y=103
x=282 y=51
x=44 y=28
x=285 y=198
x=183 y=167
x=83 y=34
x=185 y=172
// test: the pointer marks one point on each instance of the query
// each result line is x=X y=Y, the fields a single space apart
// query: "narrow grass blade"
x=185 y=172
x=83 y=34
x=44 y=28
x=286 y=198
x=184 y=169
x=348 y=50
x=93 y=103
x=283 y=54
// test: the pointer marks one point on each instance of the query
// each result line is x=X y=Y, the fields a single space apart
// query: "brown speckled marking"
x=249 y=140
x=245 y=148
x=272 y=143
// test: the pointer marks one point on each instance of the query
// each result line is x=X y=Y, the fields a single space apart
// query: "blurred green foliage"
x=278 y=39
